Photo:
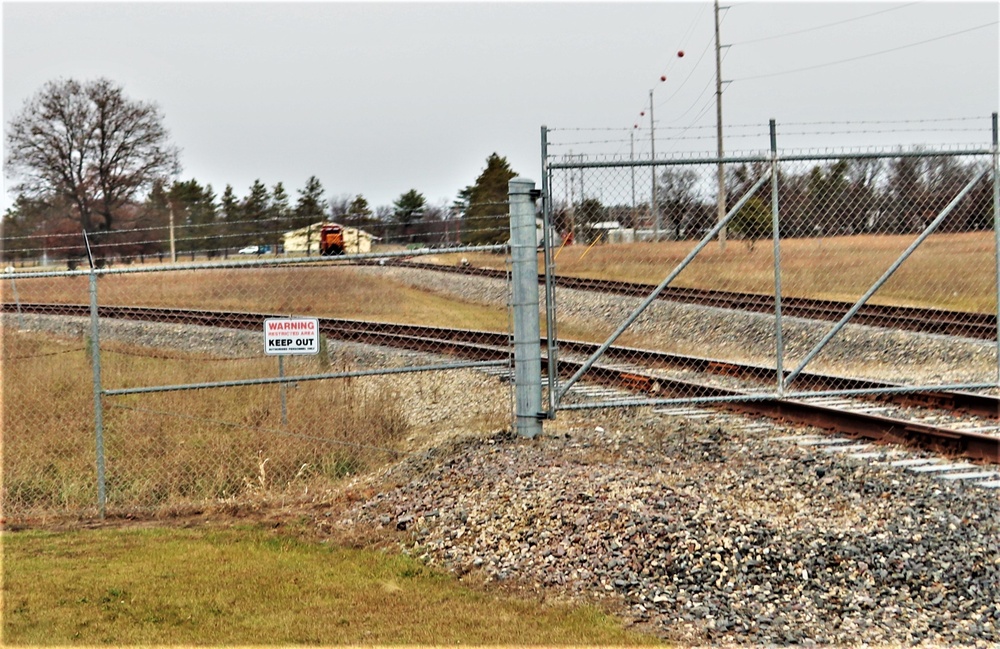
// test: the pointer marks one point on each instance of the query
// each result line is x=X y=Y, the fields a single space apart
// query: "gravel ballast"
x=706 y=532
x=710 y=531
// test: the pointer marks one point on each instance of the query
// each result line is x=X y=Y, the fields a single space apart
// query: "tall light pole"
x=652 y=154
x=173 y=247
x=718 y=130
x=631 y=149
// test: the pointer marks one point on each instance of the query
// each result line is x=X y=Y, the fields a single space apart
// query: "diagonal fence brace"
x=882 y=280
x=589 y=363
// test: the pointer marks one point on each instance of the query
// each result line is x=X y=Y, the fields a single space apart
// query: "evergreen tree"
x=210 y=215
x=232 y=217
x=310 y=208
x=154 y=215
x=753 y=221
x=359 y=213
x=280 y=213
x=408 y=209
x=280 y=209
x=461 y=202
x=229 y=205
x=256 y=208
x=257 y=204
x=16 y=227
x=589 y=213
x=487 y=215
x=194 y=215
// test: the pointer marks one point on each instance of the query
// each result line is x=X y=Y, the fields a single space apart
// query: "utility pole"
x=652 y=155
x=173 y=248
x=718 y=130
x=570 y=211
x=631 y=150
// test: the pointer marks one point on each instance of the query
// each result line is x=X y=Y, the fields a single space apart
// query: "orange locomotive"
x=331 y=240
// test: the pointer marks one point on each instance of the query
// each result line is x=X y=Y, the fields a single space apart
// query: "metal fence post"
x=550 y=284
x=779 y=344
x=17 y=300
x=527 y=334
x=95 y=359
x=996 y=227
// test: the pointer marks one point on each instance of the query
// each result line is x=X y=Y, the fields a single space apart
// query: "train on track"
x=331 y=240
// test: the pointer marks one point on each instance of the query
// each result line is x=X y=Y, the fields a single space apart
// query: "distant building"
x=606 y=225
x=305 y=241
x=609 y=231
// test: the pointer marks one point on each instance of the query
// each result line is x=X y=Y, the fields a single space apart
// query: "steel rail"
x=494 y=346
x=371 y=331
x=968 y=324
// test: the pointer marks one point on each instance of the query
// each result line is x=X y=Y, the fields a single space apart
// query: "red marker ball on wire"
x=680 y=54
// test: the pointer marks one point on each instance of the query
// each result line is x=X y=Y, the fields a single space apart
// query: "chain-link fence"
x=137 y=386
x=150 y=382
x=804 y=272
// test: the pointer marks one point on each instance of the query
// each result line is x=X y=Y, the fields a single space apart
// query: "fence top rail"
x=250 y=263
x=767 y=157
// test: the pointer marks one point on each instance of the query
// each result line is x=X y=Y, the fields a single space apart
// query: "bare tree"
x=91 y=145
x=678 y=199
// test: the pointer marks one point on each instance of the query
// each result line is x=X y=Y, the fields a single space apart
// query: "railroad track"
x=957 y=424
x=980 y=326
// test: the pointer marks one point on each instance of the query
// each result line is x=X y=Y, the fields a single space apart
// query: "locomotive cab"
x=331 y=240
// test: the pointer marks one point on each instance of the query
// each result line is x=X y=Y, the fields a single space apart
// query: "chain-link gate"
x=158 y=388
x=811 y=271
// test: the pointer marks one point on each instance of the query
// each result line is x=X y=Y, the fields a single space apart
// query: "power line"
x=818 y=27
x=673 y=60
x=866 y=56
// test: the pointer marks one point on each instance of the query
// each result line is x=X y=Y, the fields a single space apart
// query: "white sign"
x=291 y=336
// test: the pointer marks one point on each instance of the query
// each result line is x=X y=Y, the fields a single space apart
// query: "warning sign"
x=291 y=336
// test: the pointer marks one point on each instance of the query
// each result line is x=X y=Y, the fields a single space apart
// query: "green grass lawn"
x=254 y=586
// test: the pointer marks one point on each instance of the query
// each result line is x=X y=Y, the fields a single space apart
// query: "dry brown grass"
x=168 y=449
x=330 y=291
x=953 y=271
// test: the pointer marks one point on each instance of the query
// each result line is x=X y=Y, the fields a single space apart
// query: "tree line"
x=87 y=158
x=857 y=196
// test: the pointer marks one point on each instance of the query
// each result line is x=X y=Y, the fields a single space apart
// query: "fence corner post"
x=98 y=390
x=527 y=333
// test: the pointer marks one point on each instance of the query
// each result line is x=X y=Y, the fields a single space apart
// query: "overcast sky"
x=380 y=98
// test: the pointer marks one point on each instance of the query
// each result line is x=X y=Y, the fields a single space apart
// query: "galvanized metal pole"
x=95 y=360
x=721 y=173
x=284 y=390
x=527 y=351
x=996 y=229
x=631 y=158
x=550 y=281
x=17 y=300
x=173 y=247
x=779 y=343
x=653 y=202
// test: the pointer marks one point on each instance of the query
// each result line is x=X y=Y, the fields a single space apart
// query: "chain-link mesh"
x=193 y=410
x=883 y=269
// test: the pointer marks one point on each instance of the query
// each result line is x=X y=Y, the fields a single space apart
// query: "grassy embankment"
x=249 y=586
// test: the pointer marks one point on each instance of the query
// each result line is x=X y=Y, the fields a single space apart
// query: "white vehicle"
x=250 y=250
